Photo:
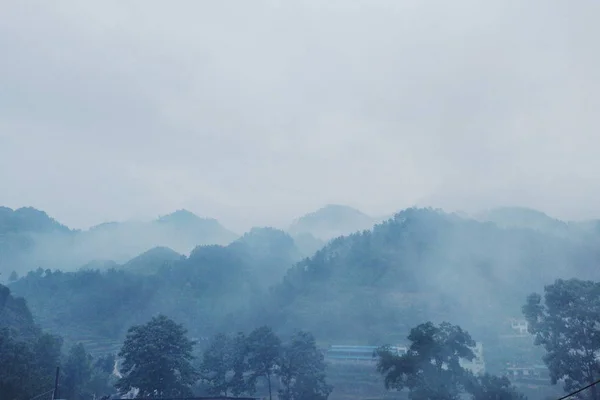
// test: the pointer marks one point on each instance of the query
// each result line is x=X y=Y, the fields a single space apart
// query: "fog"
x=232 y=165
x=255 y=113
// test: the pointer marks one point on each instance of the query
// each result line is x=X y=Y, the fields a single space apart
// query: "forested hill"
x=29 y=239
x=366 y=287
x=15 y=315
x=202 y=290
x=20 y=232
x=28 y=220
x=427 y=265
x=331 y=221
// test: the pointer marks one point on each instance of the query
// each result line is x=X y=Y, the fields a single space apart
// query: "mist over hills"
x=332 y=221
x=30 y=238
x=368 y=287
x=151 y=261
x=28 y=219
x=213 y=280
x=429 y=265
x=527 y=218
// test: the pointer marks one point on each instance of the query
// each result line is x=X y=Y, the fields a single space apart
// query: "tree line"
x=158 y=357
x=158 y=362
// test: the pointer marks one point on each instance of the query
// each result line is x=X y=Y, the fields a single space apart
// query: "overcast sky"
x=256 y=112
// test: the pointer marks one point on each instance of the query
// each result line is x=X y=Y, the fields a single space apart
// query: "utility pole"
x=55 y=393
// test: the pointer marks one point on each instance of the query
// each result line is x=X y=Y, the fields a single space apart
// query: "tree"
x=430 y=369
x=224 y=365
x=490 y=387
x=239 y=361
x=567 y=324
x=101 y=381
x=77 y=372
x=47 y=349
x=302 y=370
x=16 y=373
x=13 y=276
x=27 y=368
x=105 y=364
x=263 y=348
x=157 y=359
x=216 y=364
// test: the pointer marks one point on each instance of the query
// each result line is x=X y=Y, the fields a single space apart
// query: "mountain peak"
x=334 y=212
x=28 y=219
x=332 y=220
x=179 y=216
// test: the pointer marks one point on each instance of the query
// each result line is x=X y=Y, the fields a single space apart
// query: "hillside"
x=526 y=218
x=208 y=286
x=15 y=315
x=426 y=264
x=30 y=239
x=20 y=232
x=180 y=231
x=188 y=230
x=152 y=260
x=28 y=220
x=331 y=221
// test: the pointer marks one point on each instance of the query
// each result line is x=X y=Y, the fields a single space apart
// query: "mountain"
x=270 y=252
x=526 y=218
x=187 y=230
x=210 y=286
x=331 y=221
x=180 y=231
x=152 y=260
x=21 y=231
x=425 y=265
x=28 y=220
x=30 y=239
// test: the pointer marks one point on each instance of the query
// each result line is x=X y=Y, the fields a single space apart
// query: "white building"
x=519 y=325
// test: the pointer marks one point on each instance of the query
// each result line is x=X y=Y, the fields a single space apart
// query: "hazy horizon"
x=257 y=113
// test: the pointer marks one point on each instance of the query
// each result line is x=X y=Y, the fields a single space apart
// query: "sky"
x=257 y=112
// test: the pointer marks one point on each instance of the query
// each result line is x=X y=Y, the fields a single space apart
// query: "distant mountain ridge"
x=152 y=260
x=29 y=238
x=332 y=221
x=28 y=220
x=528 y=218
x=522 y=217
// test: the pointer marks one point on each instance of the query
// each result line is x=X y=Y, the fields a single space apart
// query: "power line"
x=580 y=390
